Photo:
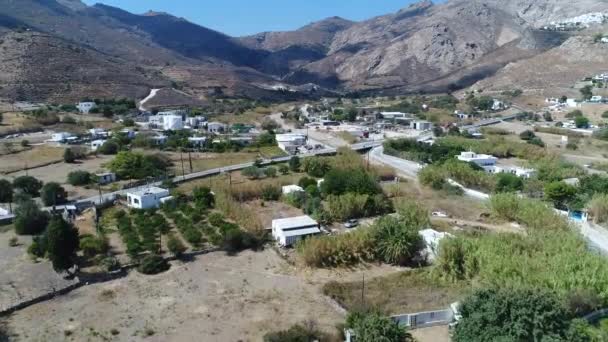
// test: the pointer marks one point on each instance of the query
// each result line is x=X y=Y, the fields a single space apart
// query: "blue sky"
x=244 y=17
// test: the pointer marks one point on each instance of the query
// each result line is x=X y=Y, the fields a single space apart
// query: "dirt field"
x=214 y=298
x=20 y=277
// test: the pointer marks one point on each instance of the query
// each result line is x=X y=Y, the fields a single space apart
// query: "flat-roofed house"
x=146 y=198
x=288 y=231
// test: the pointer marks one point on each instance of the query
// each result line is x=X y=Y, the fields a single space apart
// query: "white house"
x=604 y=40
x=172 y=122
x=516 y=170
x=572 y=103
x=106 y=178
x=290 y=142
x=146 y=198
x=394 y=115
x=216 y=127
x=288 y=231
x=482 y=160
x=421 y=125
x=85 y=107
x=288 y=189
x=96 y=144
x=61 y=137
x=498 y=105
x=197 y=141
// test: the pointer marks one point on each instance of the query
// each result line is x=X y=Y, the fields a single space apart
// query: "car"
x=351 y=223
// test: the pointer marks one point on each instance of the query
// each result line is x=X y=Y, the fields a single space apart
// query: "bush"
x=508 y=182
x=175 y=246
x=372 y=326
x=79 y=177
x=252 y=172
x=581 y=122
x=316 y=166
x=340 y=181
x=68 y=156
x=110 y=147
x=294 y=164
x=153 y=264
x=536 y=141
x=598 y=208
x=236 y=240
x=271 y=193
x=297 y=333
x=572 y=146
x=92 y=246
x=25 y=143
x=13 y=242
x=216 y=219
x=527 y=135
x=270 y=172
x=284 y=169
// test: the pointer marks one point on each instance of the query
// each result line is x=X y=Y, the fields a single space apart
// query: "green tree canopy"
x=6 y=191
x=560 y=193
x=294 y=163
x=512 y=315
x=29 y=219
x=63 y=242
x=53 y=194
x=134 y=165
x=28 y=185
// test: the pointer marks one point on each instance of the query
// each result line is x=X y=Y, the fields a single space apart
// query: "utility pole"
x=190 y=159
x=363 y=293
x=181 y=154
x=100 y=196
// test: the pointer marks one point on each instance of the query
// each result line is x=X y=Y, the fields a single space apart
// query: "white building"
x=172 y=122
x=216 y=127
x=61 y=137
x=146 y=198
x=572 y=103
x=482 y=160
x=394 y=115
x=85 y=107
x=290 y=142
x=158 y=140
x=106 y=178
x=596 y=99
x=422 y=125
x=288 y=189
x=195 y=121
x=515 y=170
x=197 y=141
x=98 y=133
x=96 y=144
x=289 y=230
x=498 y=105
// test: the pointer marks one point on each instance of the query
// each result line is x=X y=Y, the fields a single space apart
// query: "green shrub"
x=175 y=246
x=297 y=333
x=92 y=246
x=271 y=193
x=79 y=177
x=153 y=264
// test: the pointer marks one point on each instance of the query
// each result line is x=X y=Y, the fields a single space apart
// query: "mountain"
x=65 y=50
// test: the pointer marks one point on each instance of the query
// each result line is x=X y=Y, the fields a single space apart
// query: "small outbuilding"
x=288 y=231
x=106 y=178
x=288 y=189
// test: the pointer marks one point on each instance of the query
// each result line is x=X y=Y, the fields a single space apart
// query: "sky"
x=245 y=17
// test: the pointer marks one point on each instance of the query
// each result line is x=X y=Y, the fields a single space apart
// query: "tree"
x=560 y=193
x=175 y=246
x=271 y=193
x=397 y=238
x=79 y=177
x=63 y=242
x=283 y=169
x=153 y=264
x=587 y=92
x=110 y=147
x=128 y=122
x=605 y=115
x=29 y=219
x=53 y=194
x=28 y=185
x=294 y=164
x=135 y=165
x=527 y=135
x=316 y=166
x=203 y=197
x=25 y=143
x=252 y=172
x=581 y=122
x=374 y=327
x=512 y=315
x=306 y=332
x=269 y=124
x=508 y=182
x=69 y=156
x=6 y=192
x=1 y=118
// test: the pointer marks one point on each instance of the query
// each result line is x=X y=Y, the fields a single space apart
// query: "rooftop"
x=148 y=191
x=294 y=222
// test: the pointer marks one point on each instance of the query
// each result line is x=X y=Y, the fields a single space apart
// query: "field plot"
x=39 y=155
x=214 y=298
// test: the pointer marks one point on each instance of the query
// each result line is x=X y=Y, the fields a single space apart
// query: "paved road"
x=404 y=167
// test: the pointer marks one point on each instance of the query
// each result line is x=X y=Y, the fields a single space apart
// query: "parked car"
x=351 y=223
x=439 y=214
